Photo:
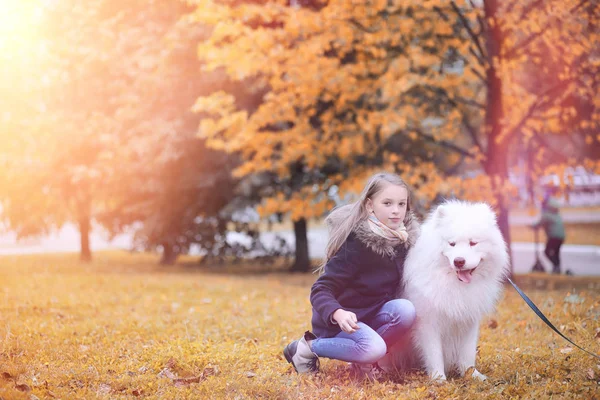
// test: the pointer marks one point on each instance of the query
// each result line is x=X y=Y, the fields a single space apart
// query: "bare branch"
x=361 y=26
x=472 y=34
x=442 y=143
x=441 y=13
x=513 y=52
x=480 y=60
x=540 y=139
x=510 y=7
x=529 y=8
x=481 y=77
x=535 y=106
x=465 y=122
x=469 y=102
x=472 y=133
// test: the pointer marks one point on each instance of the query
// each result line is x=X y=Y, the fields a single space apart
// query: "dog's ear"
x=489 y=213
x=440 y=213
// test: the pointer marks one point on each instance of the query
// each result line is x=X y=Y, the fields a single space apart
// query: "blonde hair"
x=355 y=213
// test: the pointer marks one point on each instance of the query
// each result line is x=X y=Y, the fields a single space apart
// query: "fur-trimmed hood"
x=363 y=232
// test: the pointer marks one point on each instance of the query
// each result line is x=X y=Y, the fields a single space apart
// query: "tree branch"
x=513 y=52
x=361 y=26
x=465 y=122
x=481 y=77
x=510 y=7
x=469 y=102
x=441 y=143
x=540 y=139
x=533 y=108
x=528 y=9
x=465 y=23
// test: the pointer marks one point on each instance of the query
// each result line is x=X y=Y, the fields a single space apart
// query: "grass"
x=124 y=327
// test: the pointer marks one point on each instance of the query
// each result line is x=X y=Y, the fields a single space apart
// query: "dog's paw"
x=478 y=375
x=437 y=377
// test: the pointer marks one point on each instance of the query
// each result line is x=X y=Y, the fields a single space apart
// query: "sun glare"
x=19 y=20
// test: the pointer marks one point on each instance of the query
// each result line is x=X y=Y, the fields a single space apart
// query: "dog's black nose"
x=459 y=262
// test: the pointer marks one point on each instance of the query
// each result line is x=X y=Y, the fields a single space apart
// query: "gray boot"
x=299 y=354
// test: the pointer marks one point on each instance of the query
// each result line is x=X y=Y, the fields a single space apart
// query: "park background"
x=166 y=165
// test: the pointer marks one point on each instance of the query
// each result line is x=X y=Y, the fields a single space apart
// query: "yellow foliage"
x=126 y=328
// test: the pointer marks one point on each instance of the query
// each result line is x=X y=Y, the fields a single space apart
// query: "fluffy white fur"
x=451 y=301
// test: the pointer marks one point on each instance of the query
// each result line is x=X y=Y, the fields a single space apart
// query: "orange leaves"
x=219 y=104
x=306 y=203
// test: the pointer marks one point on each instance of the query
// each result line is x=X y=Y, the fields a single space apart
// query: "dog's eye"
x=452 y=244
x=472 y=243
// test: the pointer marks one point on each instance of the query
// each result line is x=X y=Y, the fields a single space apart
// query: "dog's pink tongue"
x=464 y=276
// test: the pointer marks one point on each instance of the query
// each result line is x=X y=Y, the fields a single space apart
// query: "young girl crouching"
x=357 y=310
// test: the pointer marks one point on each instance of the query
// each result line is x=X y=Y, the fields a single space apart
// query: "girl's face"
x=389 y=205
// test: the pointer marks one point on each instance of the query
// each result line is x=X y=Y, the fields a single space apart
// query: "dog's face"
x=465 y=232
x=464 y=256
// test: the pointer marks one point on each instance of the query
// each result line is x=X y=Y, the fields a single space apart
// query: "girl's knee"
x=372 y=350
x=404 y=311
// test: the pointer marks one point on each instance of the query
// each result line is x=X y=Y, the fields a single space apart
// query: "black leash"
x=543 y=318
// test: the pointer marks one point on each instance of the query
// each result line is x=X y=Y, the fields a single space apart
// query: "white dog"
x=453 y=275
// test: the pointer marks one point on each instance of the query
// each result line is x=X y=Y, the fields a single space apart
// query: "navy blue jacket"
x=356 y=279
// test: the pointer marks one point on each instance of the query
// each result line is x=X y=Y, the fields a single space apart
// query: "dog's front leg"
x=430 y=344
x=468 y=353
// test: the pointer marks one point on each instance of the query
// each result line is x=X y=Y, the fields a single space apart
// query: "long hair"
x=355 y=213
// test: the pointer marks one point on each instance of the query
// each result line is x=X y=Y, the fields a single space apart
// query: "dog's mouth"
x=465 y=275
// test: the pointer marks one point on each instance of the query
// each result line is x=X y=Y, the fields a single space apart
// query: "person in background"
x=554 y=228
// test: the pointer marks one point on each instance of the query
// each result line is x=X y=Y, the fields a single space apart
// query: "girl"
x=357 y=313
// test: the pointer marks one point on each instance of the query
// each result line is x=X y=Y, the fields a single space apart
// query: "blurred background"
x=229 y=129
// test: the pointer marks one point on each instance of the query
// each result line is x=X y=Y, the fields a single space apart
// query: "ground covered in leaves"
x=124 y=327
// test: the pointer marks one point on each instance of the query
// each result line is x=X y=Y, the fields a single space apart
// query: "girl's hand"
x=346 y=320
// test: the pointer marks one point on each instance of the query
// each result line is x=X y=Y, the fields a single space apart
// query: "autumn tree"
x=449 y=80
x=74 y=150
x=330 y=115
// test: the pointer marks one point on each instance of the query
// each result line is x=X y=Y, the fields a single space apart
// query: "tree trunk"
x=84 y=231
x=169 y=255
x=496 y=164
x=302 y=261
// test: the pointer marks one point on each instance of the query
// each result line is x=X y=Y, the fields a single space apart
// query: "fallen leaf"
x=23 y=388
x=104 y=388
x=566 y=350
x=171 y=363
x=7 y=376
x=590 y=374
x=209 y=371
x=181 y=382
x=492 y=324
x=166 y=373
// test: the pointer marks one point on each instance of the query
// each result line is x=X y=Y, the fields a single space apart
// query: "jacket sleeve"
x=539 y=222
x=339 y=271
x=542 y=222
